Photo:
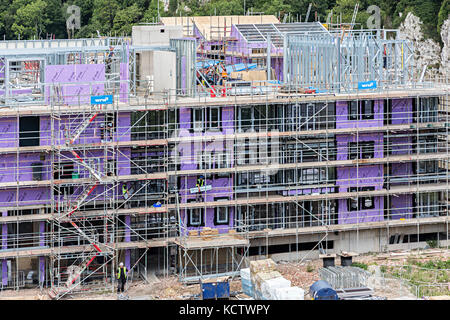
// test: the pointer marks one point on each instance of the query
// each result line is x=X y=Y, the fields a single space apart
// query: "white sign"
x=200 y=189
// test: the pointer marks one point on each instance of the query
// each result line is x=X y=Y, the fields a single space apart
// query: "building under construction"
x=180 y=151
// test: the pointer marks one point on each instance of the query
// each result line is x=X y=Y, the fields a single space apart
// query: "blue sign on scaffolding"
x=367 y=85
x=105 y=99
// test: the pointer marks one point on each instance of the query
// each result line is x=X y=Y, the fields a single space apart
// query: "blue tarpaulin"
x=230 y=68
x=239 y=67
x=206 y=64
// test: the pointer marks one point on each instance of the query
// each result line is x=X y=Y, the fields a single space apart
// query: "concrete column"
x=4 y=246
x=41 y=259
x=127 y=239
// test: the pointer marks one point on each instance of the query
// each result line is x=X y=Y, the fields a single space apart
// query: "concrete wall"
x=155 y=35
x=159 y=66
x=363 y=241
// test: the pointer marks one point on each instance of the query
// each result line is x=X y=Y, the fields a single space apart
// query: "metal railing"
x=344 y=277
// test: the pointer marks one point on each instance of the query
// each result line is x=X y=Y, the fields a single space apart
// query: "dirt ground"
x=302 y=275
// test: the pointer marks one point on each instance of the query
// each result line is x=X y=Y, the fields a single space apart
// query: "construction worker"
x=200 y=183
x=121 y=277
x=126 y=195
x=224 y=74
x=125 y=191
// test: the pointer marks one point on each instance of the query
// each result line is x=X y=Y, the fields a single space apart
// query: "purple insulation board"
x=221 y=187
x=41 y=269
x=27 y=196
x=402 y=111
x=343 y=121
x=364 y=176
x=4 y=246
x=124 y=77
x=401 y=206
x=8 y=132
x=361 y=216
x=72 y=84
x=343 y=141
x=4 y=232
x=400 y=145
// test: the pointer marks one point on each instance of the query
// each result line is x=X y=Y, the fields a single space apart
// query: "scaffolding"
x=98 y=184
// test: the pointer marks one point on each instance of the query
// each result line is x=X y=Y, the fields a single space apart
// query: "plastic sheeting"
x=268 y=286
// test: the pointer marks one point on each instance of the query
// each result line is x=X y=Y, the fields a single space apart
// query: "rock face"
x=445 y=54
x=427 y=53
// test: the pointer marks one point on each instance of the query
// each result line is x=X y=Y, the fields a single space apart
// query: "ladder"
x=84 y=164
x=56 y=293
x=79 y=130
x=80 y=200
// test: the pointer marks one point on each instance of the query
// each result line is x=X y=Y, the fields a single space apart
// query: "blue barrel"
x=322 y=290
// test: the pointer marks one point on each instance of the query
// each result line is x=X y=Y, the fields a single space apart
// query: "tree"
x=222 y=8
x=444 y=14
x=103 y=15
x=6 y=19
x=300 y=8
x=56 y=17
x=173 y=6
x=345 y=8
x=125 y=19
x=31 y=20
x=273 y=7
x=152 y=11
x=426 y=10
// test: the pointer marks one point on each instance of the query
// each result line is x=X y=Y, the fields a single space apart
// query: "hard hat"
x=121 y=264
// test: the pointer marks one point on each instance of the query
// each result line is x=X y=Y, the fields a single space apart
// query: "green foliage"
x=152 y=11
x=309 y=268
x=432 y=243
x=31 y=19
x=221 y=8
x=346 y=8
x=103 y=15
x=430 y=277
x=360 y=265
x=444 y=14
x=125 y=19
x=436 y=264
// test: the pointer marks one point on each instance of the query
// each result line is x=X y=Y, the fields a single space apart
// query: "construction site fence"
x=14 y=280
x=344 y=277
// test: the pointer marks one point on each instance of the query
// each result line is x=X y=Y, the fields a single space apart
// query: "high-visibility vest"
x=200 y=182
x=124 y=189
x=124 y=271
